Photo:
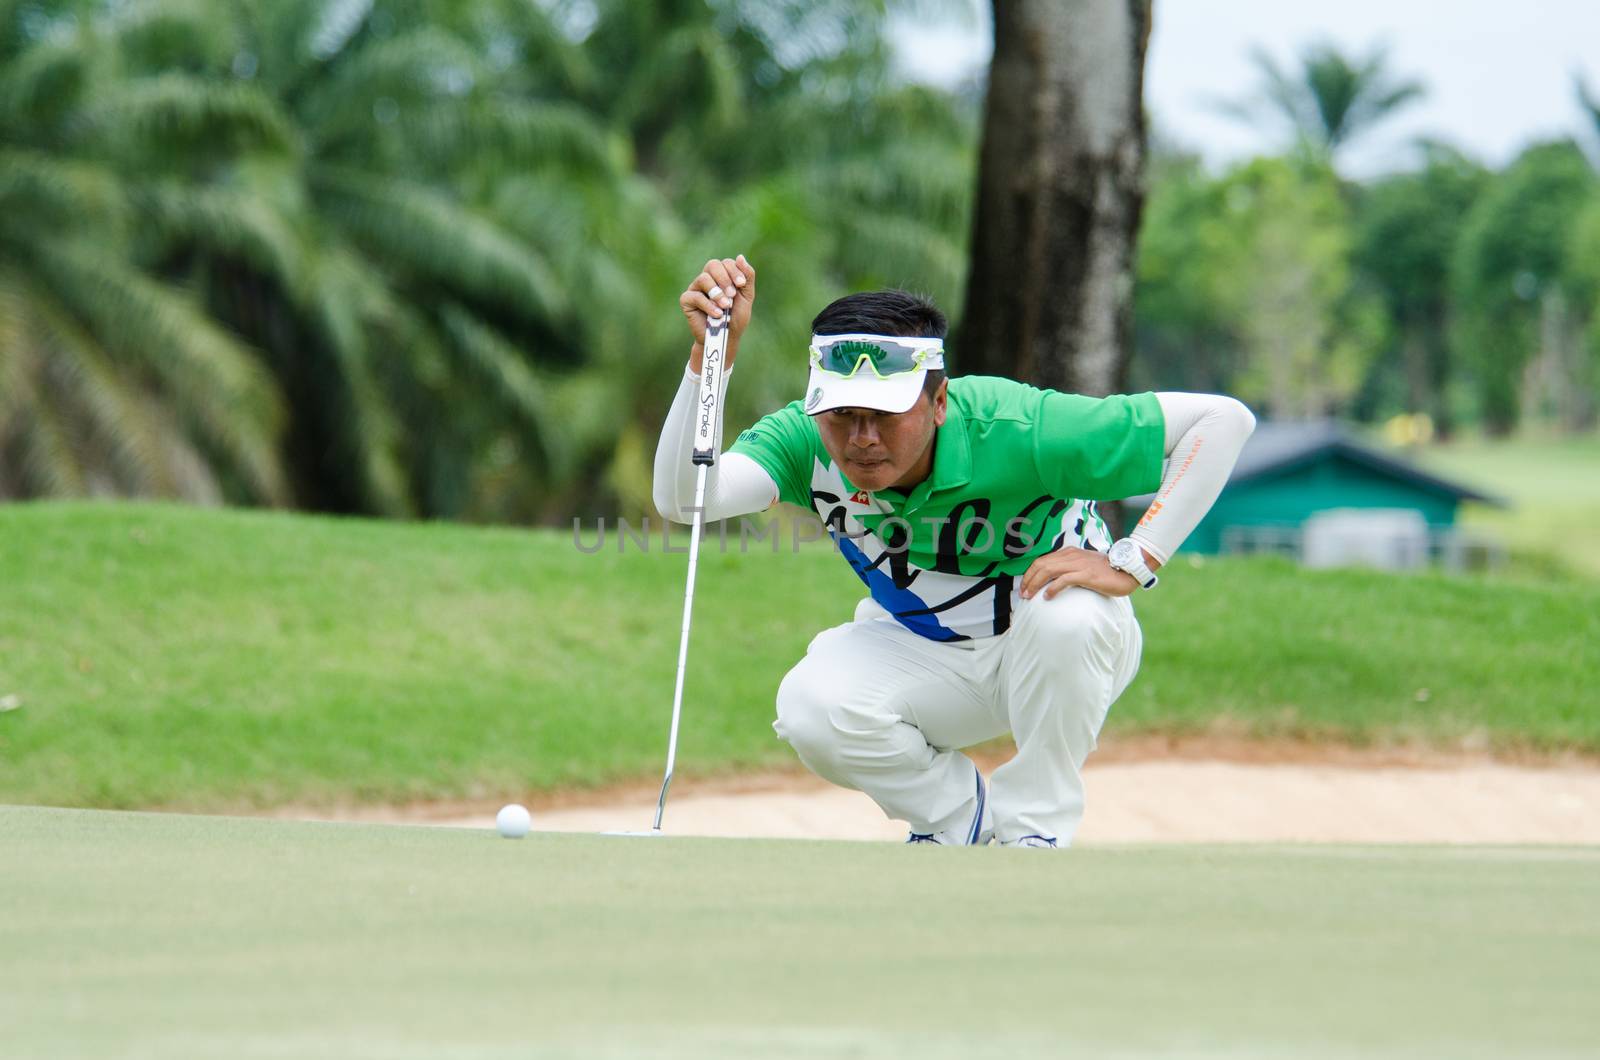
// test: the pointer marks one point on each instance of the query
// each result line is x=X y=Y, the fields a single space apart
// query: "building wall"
x=1289 y=498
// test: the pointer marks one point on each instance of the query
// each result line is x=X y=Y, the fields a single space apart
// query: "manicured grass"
x=184 y=658
x=1553 y=485
x=1272 y=650
x=135 y=935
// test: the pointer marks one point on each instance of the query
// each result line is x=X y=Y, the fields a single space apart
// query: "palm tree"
x=396 y=310
x=1589 y=102
x=111 y=380
x=1330 y=99
x=448 y=230
x=495 y=227
x=776 y=129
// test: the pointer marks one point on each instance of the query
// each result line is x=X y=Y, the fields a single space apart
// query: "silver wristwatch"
x=1128 y=557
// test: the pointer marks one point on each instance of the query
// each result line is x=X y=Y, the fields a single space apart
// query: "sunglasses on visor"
x=844 y=355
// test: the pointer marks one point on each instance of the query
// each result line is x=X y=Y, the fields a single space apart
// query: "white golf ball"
x=513 y=821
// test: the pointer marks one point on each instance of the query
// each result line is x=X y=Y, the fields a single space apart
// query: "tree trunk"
x=1418 y=366
x=1060 y=187
x=1436 y=331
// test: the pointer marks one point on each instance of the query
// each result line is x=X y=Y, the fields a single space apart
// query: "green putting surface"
x=138 y=935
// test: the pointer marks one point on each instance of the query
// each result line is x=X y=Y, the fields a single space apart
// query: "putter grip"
x=707 y=414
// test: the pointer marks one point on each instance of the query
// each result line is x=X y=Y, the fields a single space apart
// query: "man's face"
x=876 y=450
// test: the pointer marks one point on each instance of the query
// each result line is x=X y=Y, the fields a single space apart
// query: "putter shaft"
x=683 y=641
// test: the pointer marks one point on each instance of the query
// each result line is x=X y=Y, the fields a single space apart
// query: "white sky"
x=1498 y=72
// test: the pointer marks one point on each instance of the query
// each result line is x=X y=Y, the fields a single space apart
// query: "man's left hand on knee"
x=1055 y=571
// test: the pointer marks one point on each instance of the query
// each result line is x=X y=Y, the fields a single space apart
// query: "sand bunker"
x=1162 y=801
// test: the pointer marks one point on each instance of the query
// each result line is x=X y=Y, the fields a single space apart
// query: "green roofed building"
x=1300 y=486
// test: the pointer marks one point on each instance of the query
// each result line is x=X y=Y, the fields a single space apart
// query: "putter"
x=703 y=456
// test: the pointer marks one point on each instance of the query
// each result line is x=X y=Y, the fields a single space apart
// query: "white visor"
x=865 y=388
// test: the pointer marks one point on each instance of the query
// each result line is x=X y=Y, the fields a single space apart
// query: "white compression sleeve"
x=735 y=484
x=1205 y=433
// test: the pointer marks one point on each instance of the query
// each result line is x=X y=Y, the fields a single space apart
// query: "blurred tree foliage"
x=1445 y=289
x=1185 y=323
x=1330 y=98
x=112 y=380
x=1406 y=230
x=1518 y=282
x=1448 y=290
x=421 y=257
x=1246 y=284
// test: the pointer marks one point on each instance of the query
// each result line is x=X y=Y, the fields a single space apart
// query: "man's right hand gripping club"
x=724 y=286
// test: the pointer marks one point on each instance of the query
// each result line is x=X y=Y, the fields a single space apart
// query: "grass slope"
x=186 y=658
x=139 y=935
x=1553 y=486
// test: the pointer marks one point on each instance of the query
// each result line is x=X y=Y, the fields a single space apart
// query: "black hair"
x=881 y=313
x=889 y=312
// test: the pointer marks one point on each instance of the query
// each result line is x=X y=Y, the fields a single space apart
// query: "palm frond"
x=39 y=87
x=912 y=179
x=14 y=302
x=1391 y=98
x=901 y=252
x=238 y=223
x=503 y=370
x=153 y=35
x=343 y=298
x=690 y=68
x=1330 y=97
x=16 y=366
x=215 y=381
x=49 y=460
x=277 y=35
x=1284 y=94
x=419 y=66
x=128 y=429
x=589 y=402
x=1373 y=93
x=511 y=135
x=528 y=35
x=181 y=113
x=438 y=238
x=51 y=193
x=1588 y=101
x=1248 y=110
x=592 y=237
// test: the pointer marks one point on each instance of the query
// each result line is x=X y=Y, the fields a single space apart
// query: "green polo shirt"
x=1016 y=474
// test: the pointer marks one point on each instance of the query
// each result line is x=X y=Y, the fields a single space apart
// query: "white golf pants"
x=875 y=707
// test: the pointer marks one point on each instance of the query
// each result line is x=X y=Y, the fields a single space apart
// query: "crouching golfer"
x=998 y=601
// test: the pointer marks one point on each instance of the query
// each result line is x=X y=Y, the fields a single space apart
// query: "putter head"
x=654 y=832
